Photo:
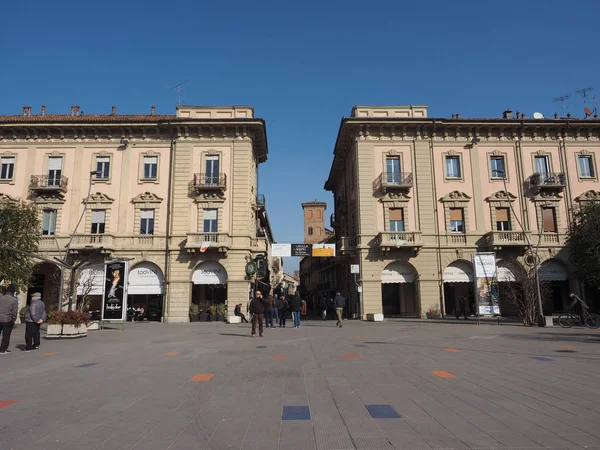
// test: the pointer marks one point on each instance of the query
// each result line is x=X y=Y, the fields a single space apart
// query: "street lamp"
x=534 y=253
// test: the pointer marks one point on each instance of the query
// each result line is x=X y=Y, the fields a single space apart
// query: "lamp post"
x=540 y=319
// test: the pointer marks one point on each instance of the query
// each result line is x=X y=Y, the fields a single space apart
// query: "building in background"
x=416 y=197
x=174 y=194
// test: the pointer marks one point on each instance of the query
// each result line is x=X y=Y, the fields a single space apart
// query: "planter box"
x=375 y=317
x=82 y=330
x=70 y=331
x=53 y=331
x=194 y=318
x=235 y=319
x=93 y=325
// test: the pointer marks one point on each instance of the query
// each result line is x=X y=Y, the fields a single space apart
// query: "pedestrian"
x=462 y=310
x=276 y=305
x=238 y=312
x=34 y=317
x=340 y=303
x=270 y=310
x=257 y=309
x=296 y=309
x=323 y=307
x=9 y=310
x=283 y=311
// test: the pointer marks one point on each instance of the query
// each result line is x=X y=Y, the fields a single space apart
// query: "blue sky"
x=302 y=66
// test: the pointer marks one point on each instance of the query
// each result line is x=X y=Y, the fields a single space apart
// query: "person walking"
x=340 y=303
x=238 y=312
x=296 y=309
x=461 y=308
x=9 y=310
x=276 y=305
x=283 y=311
x=257 y=309
x=34 y=317
x=270 y=310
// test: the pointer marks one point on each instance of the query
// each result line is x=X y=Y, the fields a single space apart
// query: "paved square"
x=514 y=388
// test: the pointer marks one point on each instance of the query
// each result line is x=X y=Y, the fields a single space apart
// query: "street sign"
x=354 y=268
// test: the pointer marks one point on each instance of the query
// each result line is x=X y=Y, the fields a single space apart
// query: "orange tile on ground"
x=359 y=337
x=202 y=377
x=443 y=374
x=452 y=350
x=5 y=403
x=350 y=356
x=278 y=357
x=567 y=346
x=49 y=353
x=171 y=354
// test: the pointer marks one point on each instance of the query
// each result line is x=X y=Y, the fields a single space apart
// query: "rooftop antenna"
x=583 y=92
x=179 y=91
x=562 y=99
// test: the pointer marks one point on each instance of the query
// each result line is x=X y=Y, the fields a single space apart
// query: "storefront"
x=556 y=292
x=146 y=290
x=508 y=287
x=90 y=287
x=209 y=284
x=399 y=290
x=458 y=282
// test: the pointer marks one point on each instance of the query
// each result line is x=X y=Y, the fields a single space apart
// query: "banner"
x=486 y=284
x=301 y=249
x=323 y=250
x=114 y=301
x=281 y=250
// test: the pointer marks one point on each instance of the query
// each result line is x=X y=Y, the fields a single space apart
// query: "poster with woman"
x=115 y=295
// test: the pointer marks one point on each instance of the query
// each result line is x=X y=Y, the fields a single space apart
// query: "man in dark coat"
x=9 y=309
x=257 y=309
x=340 y=303
x=296 y=308
x=34 y=317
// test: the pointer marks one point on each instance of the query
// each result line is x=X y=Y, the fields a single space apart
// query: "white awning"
x=145 y=279
x=455 y=273
x=210 y=272
x=552 y=271
x=398 y=272
x=505 y=274
x=91 y=280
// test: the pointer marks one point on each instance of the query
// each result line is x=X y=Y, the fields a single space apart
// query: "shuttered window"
x=98 y=221
x=457 y=221
x=396 y=219
x=502 y=219
x=549 y=220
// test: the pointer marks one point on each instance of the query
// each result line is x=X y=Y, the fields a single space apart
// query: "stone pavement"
x=410 y=385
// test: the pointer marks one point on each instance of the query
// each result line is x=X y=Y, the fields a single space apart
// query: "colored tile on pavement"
x=452 y=350
x=202 y=377
x=382 y=412
x=280 y=357
x=541 y=358
x=49 y=353
x=261 y=346
x=5 y=403
x=171 y=354
x=295 y=413
x=87 y=365
x=443 y=374
x=567 y=346
x=350 y=356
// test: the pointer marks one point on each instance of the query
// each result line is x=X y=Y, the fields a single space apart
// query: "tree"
x=20 y=229
x=584 y=242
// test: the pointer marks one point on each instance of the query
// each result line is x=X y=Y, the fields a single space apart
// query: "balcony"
x=203 y=242
x=346 y=246
x=48 y=243
x=549 y=181
x=46 y=183
x=393 y=182
x=208 y=183
x=501 y=239
x=387 y=240
x=261 y=202
x=85 y=242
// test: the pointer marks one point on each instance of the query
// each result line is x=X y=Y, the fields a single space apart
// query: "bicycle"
x=570 y=319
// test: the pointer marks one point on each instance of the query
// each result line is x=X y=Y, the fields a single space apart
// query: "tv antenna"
x=562 y=99
x=179 y=91
x=583 y=92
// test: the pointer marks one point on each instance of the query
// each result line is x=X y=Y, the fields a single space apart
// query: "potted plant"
x=22 y=313
x=194 y=311
x=55 y=325
x=71 y=323
x=82 y=321
x=211 y=313
x=221 y=311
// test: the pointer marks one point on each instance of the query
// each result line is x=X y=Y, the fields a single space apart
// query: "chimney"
x=43 y=110
x=76 y=110
x=556 y=115
x=113 y=110
x=72 y=110
x=508 y=114
x=454 y=116
x=522 y=115
x=518 y=115
x=24 y=110
x=152 y=110
x=29 y=110
x=568 y=115
x=457 y=115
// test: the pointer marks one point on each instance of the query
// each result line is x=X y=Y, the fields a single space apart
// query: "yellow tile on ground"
x=202 y=377
x=359 y=337
x=443 y=374
x=452 y=350
x=171 y=354
x=49 y=353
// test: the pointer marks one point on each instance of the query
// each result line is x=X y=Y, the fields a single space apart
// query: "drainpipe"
x=437 y=226
x=168 y=229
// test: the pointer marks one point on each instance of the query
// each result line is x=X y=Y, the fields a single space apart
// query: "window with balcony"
x=49 y=222
x=586 y=166
x=497 y=168
x=392 y=169
x=542 y=164
x=102 y=167
x=147 y=221
x=453 y=167
x=54 y=170
x=549 y=220
x=98 y=221
x=503 y=219
x=211 y=223
x=457 y=220
x=150 y=167
x=212 y=170
x=7 y=167
x=396 y=219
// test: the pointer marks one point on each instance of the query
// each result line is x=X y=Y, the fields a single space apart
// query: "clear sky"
x=302 y=66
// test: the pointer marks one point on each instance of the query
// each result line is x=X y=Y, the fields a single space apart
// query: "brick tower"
x=314 y=222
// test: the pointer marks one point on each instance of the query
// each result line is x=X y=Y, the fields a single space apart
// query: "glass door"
x=212 y=170
x=54 y=170
x=392 y=168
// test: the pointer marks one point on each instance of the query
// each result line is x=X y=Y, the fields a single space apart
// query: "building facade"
x=417 y=197
x=175 y=195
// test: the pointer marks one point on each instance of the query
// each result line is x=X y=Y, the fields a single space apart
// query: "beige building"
x=416 y=197
x=176 y=195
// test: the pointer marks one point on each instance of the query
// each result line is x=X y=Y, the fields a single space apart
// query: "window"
x=49 y=222
x=502 y=219
x=392 y=168
x=318 y=214
x=102 y=167
x=310 y=231
x=457 y=221
x=54 y=170
x=549 y=220
x=7 y=167
x=541 y=165
x=319 y=231
x=210 y=221
x=212 y=170
x=150 y=167
x=453 y=167
x=497 y=167
x=586 y=167
x=98 y=221
x=397 y=219
x=147 y=221
x=309 y=214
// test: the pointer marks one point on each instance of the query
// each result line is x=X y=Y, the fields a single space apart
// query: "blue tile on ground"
x=295 y=413
x=359 y=345
x=261 y=346
x=541 y=358
x=382 y=412
x=87 y=365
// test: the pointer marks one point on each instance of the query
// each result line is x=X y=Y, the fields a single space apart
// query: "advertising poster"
x=302 y=250
x=486 y=284
x=323 y=250
x=115 y=297
x=281 y=250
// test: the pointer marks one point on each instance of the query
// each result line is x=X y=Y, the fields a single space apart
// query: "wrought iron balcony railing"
x=549 y=179
x=388 y=181
x=261 y=201
x=48 y=183
x=208 y=182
